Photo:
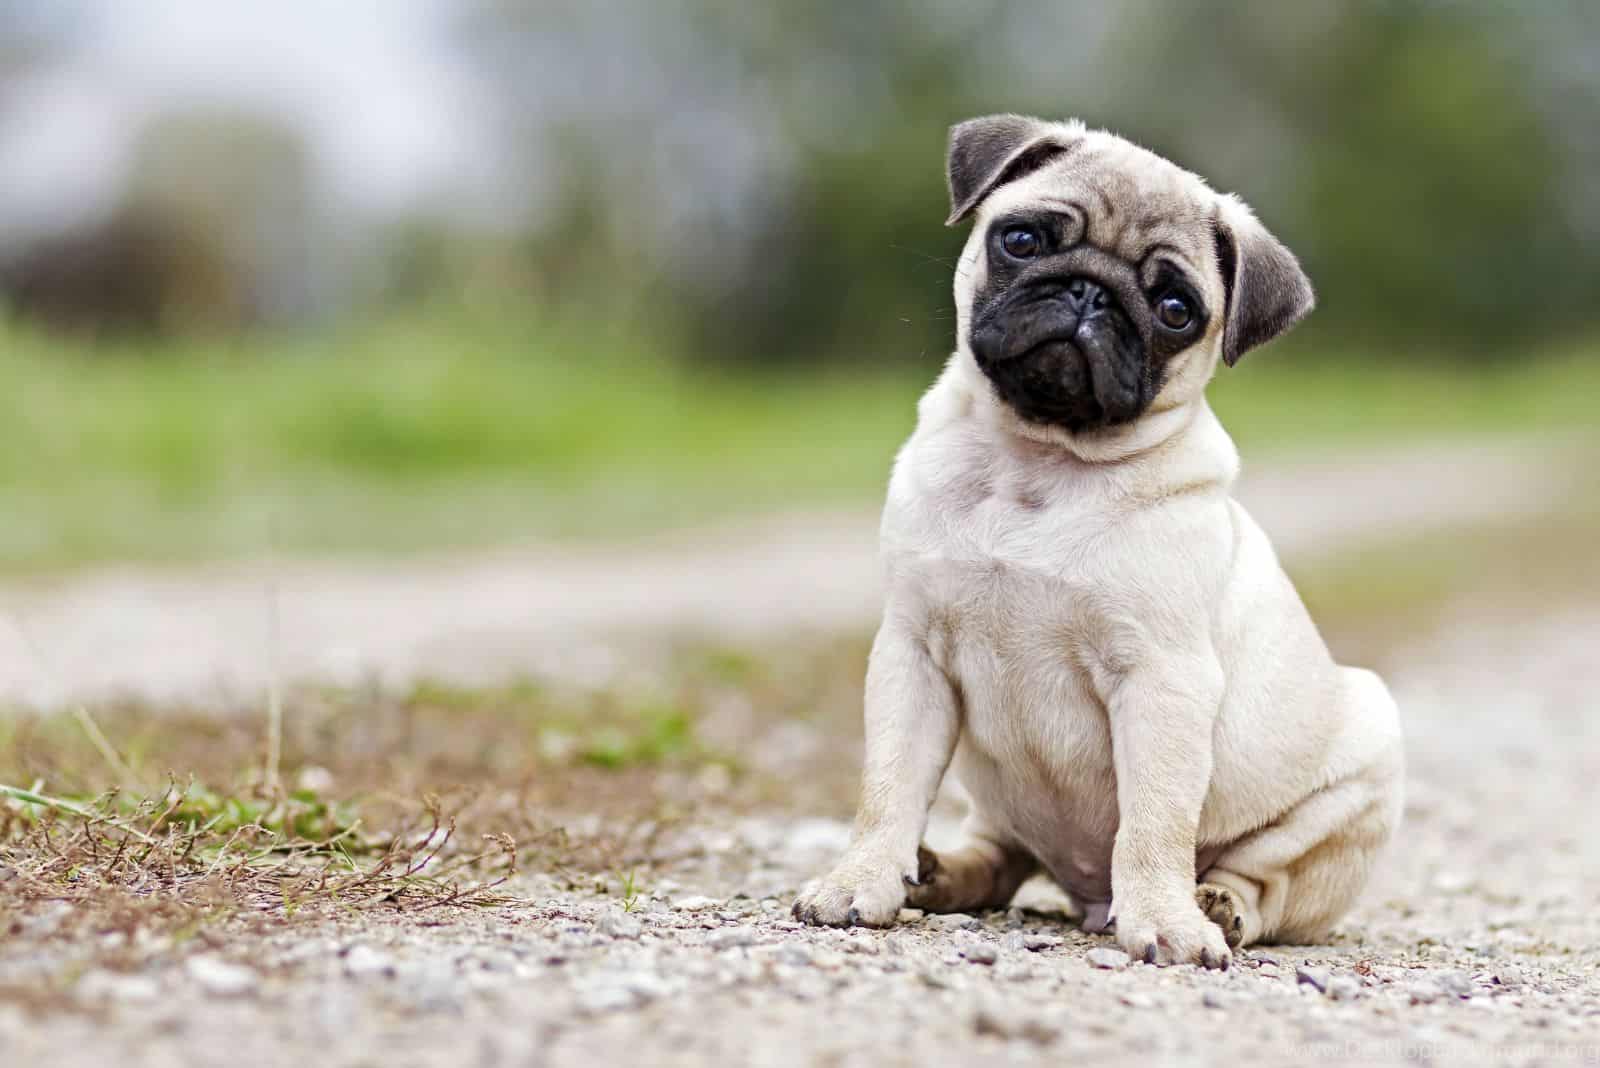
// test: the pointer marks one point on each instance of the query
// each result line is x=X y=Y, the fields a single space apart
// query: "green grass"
x=1286 y=399
x=442 y=431
x=407 y=436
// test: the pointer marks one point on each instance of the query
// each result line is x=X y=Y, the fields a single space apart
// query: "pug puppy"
x=1080 y=619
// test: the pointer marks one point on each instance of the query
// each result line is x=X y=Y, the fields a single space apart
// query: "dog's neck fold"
x=1187 y=429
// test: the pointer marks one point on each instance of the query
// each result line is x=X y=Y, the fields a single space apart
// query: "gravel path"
x=165 y=634
x=1479 y=943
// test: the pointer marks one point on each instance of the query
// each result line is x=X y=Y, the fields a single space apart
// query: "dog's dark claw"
x=853 y=918
x=1150 y=953
x=1207 y=959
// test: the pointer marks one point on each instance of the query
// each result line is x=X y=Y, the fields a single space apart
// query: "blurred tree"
x=214 y=232
x=768 y=178
x=241 y=183
x=130 y=273
x=1426 y=192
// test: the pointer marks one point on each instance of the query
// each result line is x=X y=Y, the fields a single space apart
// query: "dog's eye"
x=1174 y=312
x=1020 y=243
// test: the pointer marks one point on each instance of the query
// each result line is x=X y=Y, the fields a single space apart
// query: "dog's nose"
x=1086 y=296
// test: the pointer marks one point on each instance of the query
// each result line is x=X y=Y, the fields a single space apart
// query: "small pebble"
x=1315 y=978
x=110 y=986
x=980 y=953
x=1106 y=957
x=1424 y=993
x=607 y=999
x=908 y=915
x=221 y=978
x=1343 y=988
x=695 y=903
x=955 y=921
x=1211 y=999
x=796 y=954
x=731 y=938
x=1037 y=942
x=1003 y=1021
x=618 y=924
x=1508 y=976
x=363 y=961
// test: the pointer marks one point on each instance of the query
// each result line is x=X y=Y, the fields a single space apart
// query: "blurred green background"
x=312 y=278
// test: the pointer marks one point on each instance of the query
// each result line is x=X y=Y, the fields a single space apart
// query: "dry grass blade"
x=102 y=744
x=187 y=847
x=274 y=757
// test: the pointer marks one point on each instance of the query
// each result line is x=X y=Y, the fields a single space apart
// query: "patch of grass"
x=1295 y=398
x=736 y=666
x=445 y=430
x=421 y=799
x=211 y=852
x=661 y=733
x=601 y=729
x=408 y=435
x=348 y=838
x=427 y=799
x=630 y=891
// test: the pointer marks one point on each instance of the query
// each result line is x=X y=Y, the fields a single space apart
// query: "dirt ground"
x=1478 y=943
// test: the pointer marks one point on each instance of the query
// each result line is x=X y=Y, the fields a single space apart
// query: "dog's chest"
x=1016 y=638
x=1005 y=589
x=1002 y=575
x=1005 y=600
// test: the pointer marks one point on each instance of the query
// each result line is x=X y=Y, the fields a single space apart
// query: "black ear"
x=988 y=152
x=1267 y=292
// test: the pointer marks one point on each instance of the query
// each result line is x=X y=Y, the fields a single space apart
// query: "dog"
x=1079 y=618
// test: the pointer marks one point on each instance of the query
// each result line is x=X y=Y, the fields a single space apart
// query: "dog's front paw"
x=1180 y=934
x=855 y=894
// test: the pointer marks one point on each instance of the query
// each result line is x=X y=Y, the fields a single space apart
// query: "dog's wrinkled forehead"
x=1131 y=201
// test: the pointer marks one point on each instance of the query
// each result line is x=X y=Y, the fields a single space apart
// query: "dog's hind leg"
x=981 y=874
x=1293 y=879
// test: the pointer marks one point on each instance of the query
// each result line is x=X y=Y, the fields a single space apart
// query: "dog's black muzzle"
x=1062 y=347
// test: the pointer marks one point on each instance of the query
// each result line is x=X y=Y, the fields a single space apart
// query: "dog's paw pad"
x=1222 y=908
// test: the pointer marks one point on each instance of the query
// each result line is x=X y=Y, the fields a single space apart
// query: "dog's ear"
x=1267 y=292
x=988 y=152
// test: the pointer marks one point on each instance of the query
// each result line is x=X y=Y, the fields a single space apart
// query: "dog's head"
x=1102 y=281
